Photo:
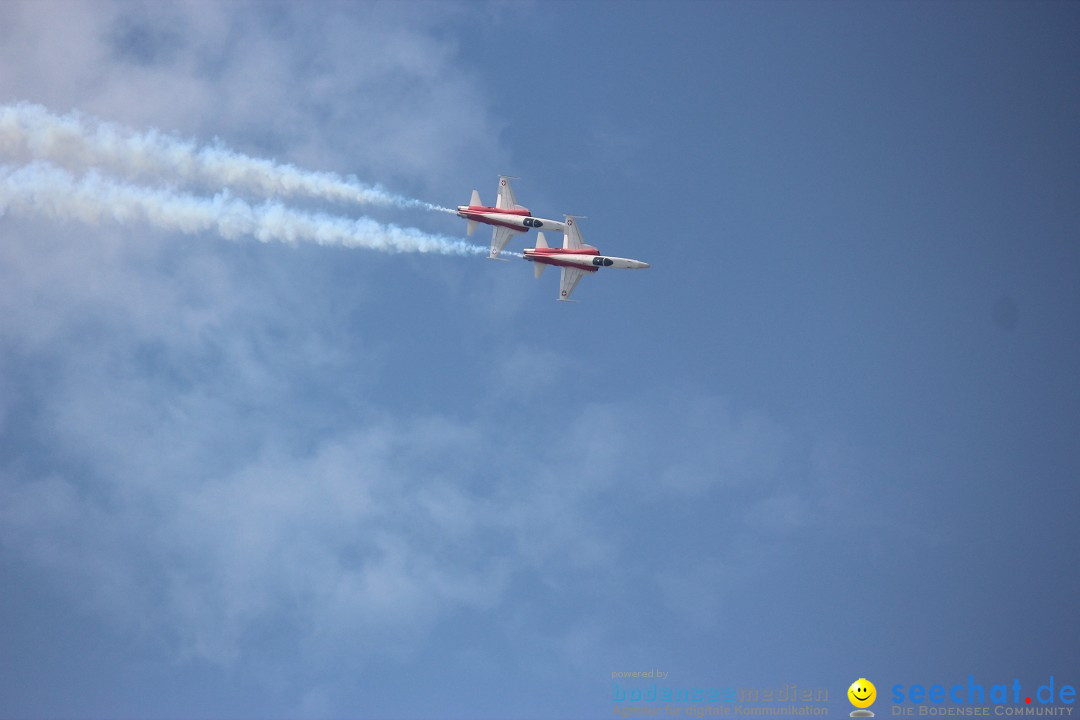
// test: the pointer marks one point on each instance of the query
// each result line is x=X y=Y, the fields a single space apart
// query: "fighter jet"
x=575 y=258
x=507 y=217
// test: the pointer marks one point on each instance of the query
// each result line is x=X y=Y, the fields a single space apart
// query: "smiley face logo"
x=862 y=693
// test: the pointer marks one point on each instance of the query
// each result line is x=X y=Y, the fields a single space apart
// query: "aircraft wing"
x=499 y=237
x=569 y=280
x=506 y=199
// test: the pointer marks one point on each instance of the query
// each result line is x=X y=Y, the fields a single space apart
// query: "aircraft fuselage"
x=588 y=259
x=519 y=219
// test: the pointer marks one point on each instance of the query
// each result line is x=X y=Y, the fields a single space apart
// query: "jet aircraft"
x=574 y=257
x=506 y=218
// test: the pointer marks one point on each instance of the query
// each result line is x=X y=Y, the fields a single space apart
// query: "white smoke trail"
x=30 y=132
x=43 y=189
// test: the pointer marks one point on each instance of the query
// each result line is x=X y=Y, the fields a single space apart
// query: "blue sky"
x=831 y=433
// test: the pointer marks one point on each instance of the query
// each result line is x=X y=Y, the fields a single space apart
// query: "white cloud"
x=193 y=492
x=366 y=89
x=227 y=454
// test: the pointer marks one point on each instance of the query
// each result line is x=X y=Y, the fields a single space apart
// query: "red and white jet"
x=507 y=217
x=574 y=257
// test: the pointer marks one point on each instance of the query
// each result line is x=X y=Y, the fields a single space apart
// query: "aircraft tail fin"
x=474 y=201
x=470 y=227
x=506 y=199
x=541 y=242
x=572 y=239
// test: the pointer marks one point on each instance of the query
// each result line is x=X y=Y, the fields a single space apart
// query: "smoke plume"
x=40 y=188
x=76 y=142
